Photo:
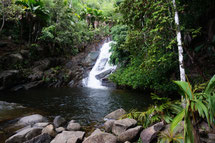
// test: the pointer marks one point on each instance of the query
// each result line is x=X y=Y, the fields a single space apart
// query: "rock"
x=9 y=106
x=25 y=53
x=147 y=135
x=9 y=78
x=60 y=129
x=15 y=58
x=43 y=138
x=71 y=136
x=127 y=142
x=73 y=126
x=115 y=114
x=130 y=134
x=108 y=125
x=101 y=138
x=24 y=135
x=106 y=82
x=97 y=131
x=32 y=119
x=58 y=121
x=104 y=74
x=49 y=130
x=211 y=136
x=41 y=125
x=120 y=126
x=91 y=58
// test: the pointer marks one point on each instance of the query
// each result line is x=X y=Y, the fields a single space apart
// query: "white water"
x=101 y=65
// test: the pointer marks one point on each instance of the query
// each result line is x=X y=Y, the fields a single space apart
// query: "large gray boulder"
x=101 y=138
x=69 y=136
x=24 y=135
x=73 y=126
x=58 y=121
x=108 y=125
x=121 y=126
x=31 y=119
x=116 y=114
x=147 y=135
x=130 y=134
x=104 y=74
x=43 y=138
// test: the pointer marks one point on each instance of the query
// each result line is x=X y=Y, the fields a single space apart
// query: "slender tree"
x=180 y=48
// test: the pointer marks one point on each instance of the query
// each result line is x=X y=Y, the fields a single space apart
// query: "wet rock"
x=9 y=78
x=116 y=114
x=91 y=58
x=32 y=119
x=104 y=74
x=58 y=121
x=102 y=64
x=101 y=138
x=43 y=138
x=130 y=134
x=9 y=106
x=121 y=126
x=147 y=135
x=106 y=82
x=49 y=130
x=108 y=125
x=24 y=135
x=73 y=126
x=69 y=136
x=60 y=129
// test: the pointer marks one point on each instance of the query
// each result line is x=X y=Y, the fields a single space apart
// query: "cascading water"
x=101 y=66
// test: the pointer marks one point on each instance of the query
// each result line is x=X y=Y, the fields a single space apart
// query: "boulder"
x=60 y=129
x=108 y=125
x=15 y=58
x=58 y=121
x=69 y=136
x=102 y=64
x=43 y=138
x=130 y=134
x=116 y=114
x=31 y=119
x=73 y=126
x=91 y=58
x=97 y=131
x=104 y=74
x=49 y=130
x=106 y=82
x=121 y=126
x=24 y=135
x=41 y=125
x=9 y=78
x=147 y=135
x=101 y=138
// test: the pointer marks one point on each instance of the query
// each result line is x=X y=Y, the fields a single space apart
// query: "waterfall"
x=101 y=69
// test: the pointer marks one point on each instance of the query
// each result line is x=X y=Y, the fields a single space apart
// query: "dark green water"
x=85 y=105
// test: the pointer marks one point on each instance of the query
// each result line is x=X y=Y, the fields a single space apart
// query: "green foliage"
x=145 y=51
x=196 y=102
x=158 y=112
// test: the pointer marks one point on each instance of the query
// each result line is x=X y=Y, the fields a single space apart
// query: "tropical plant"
x=200 y=104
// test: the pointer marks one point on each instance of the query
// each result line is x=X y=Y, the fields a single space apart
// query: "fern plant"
x=198 y=104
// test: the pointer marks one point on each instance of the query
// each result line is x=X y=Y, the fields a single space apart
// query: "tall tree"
x=179 y=41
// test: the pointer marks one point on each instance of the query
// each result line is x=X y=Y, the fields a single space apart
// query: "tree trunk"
x=180 y=48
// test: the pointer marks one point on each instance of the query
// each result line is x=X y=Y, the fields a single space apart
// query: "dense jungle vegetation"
x=145 y=49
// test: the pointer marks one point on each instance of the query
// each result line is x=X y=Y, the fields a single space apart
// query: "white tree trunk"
x=180 y=48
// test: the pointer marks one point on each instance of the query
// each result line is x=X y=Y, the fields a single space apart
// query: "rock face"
x=73 y=126
x=130 y=134
x=43 y=138
x=108 y=125
x=24 y=135
x=58 y=121
x=32 y=119
x=91 y=58
x=69 y=137
x=115 y=114
x=101 y=138
x=121 y=126
x=147 y=135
